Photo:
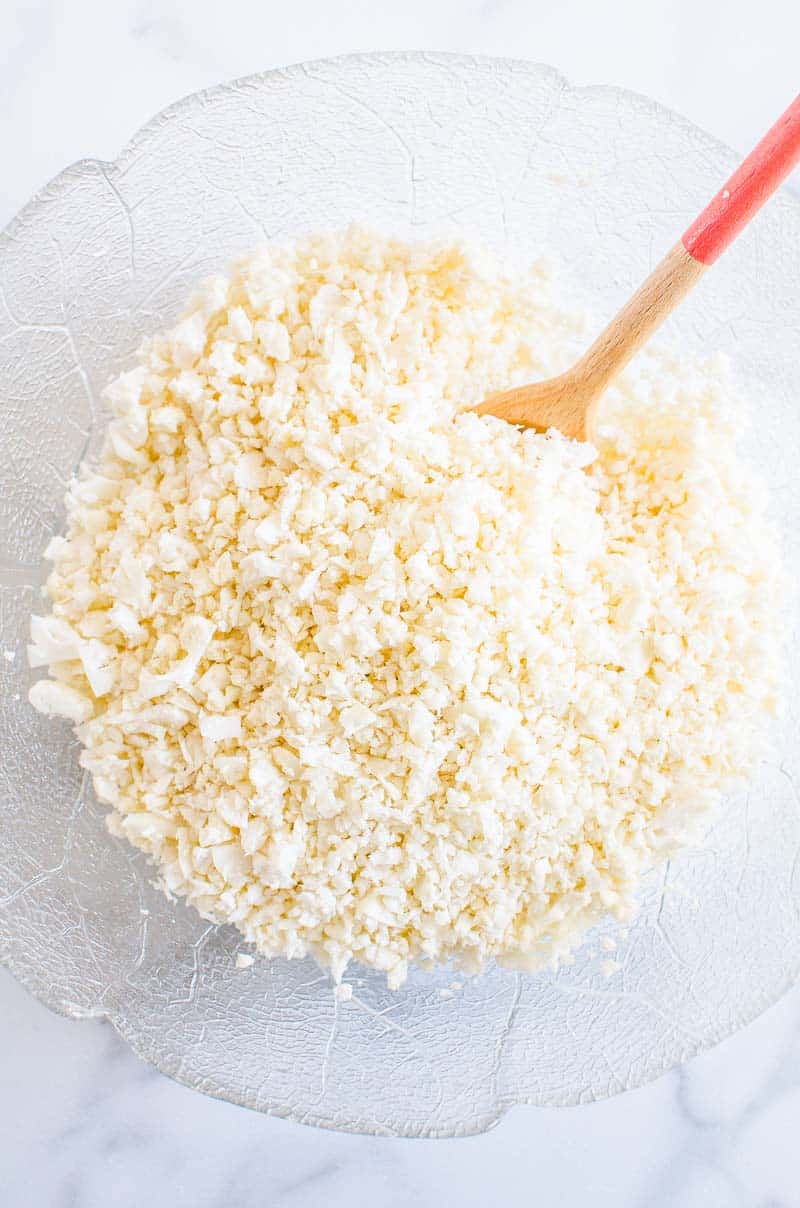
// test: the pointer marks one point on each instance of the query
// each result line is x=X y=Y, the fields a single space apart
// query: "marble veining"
x=84 y=1123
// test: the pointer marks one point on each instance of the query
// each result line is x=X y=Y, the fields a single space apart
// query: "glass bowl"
x=508 y=151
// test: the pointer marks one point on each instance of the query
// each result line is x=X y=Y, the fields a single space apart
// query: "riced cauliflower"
x=373 y=678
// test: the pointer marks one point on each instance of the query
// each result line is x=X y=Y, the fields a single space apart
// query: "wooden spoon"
x=569 y=402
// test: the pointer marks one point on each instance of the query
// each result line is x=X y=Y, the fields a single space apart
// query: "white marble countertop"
x=83 y=1124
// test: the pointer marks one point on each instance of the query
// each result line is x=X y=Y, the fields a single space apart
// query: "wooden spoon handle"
x=631 y=328
x=753 y=182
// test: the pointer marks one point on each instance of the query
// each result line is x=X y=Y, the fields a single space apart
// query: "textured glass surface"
x=605 y=181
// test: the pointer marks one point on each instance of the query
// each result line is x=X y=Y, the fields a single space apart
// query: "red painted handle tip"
x=753 y=182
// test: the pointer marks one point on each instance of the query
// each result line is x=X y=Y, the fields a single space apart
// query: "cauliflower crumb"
x=372 y=678
x=244 y=960
x=60 y=700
